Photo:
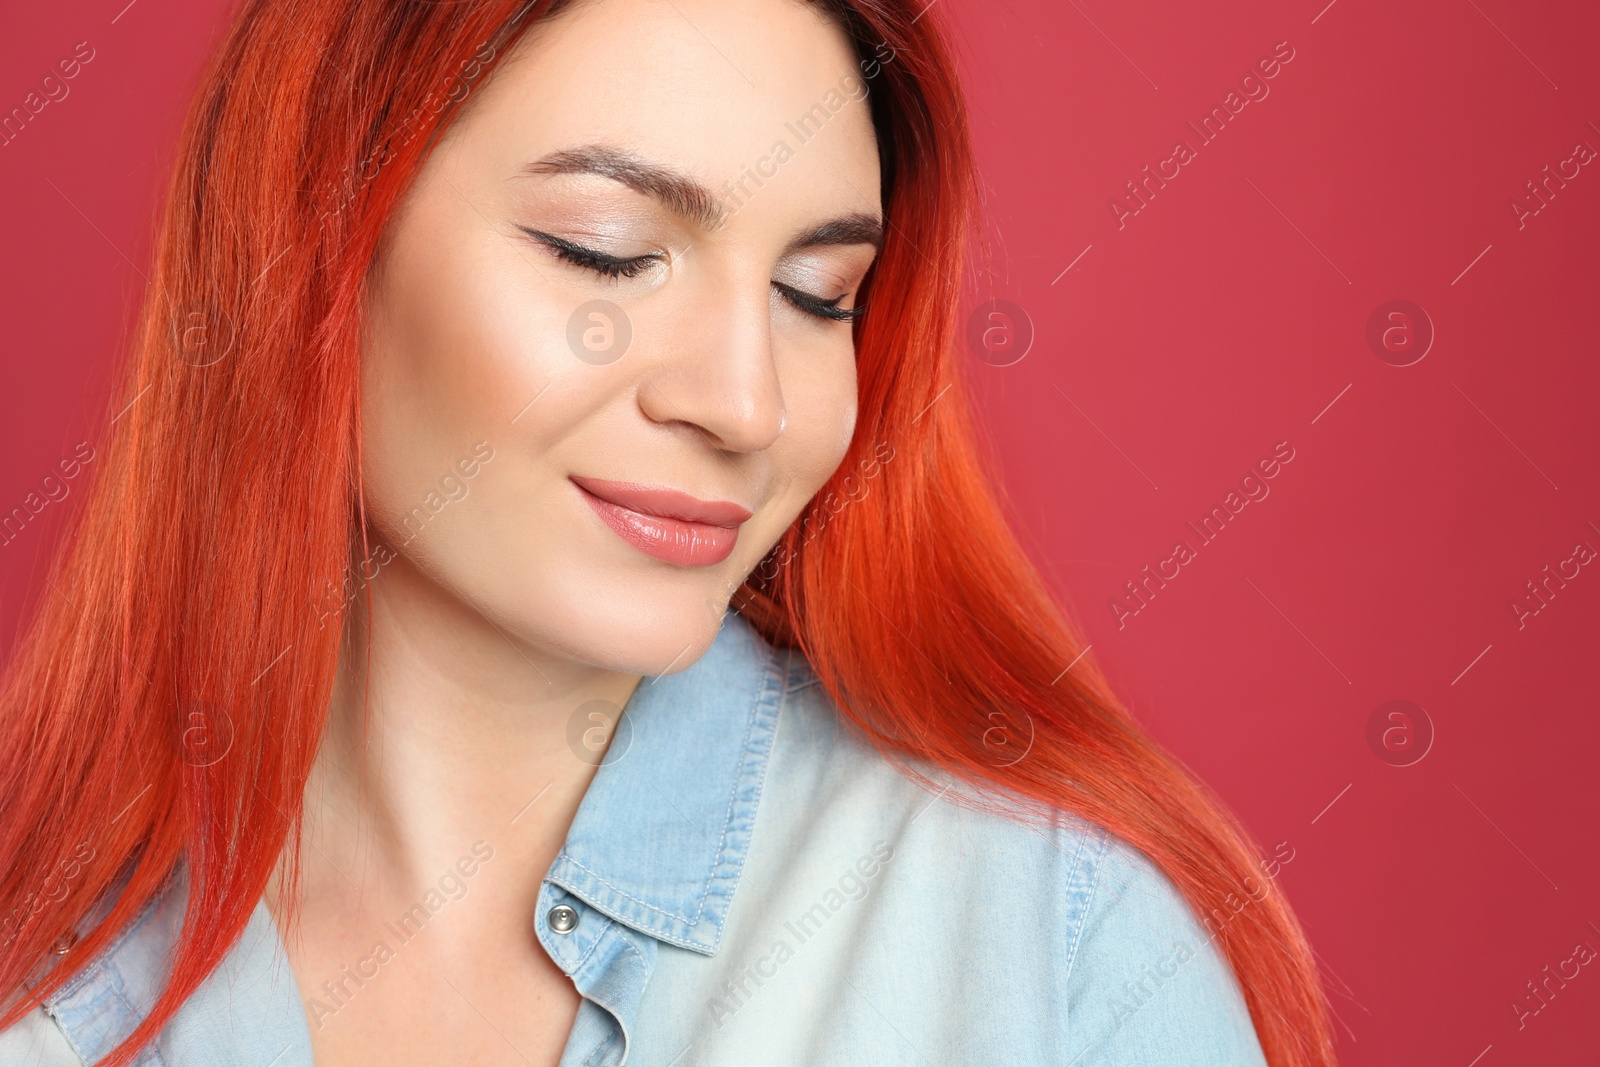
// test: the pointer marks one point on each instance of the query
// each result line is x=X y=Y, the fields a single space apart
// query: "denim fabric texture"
x=756 y=886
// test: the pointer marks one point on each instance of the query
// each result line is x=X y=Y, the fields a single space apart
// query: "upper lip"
x=665 y=503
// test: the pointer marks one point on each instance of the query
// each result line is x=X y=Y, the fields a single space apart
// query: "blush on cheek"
x=469 y=346
x=843 y=413
x=822 y=411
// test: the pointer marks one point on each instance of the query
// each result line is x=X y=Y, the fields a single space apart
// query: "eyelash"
x=612 y=267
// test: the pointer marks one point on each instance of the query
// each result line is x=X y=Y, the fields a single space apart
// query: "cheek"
x=821 y=409
x=460 y=344
x=836 y=411
x=841 y=429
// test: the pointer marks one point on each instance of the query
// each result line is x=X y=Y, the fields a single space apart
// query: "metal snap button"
x=562 y=919
x=65 y=943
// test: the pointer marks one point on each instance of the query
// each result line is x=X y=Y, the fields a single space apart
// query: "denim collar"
x=660 y=838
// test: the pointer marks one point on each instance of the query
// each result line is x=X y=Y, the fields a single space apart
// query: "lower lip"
x=687 y=544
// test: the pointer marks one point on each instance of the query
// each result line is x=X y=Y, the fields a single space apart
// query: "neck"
x=470 y=736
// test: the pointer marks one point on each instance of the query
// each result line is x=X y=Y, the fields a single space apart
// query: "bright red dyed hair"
x=228 y=506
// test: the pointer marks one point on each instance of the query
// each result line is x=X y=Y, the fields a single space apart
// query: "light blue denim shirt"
x=754 y=885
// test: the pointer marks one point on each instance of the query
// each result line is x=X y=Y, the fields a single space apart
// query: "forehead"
x=715 y=88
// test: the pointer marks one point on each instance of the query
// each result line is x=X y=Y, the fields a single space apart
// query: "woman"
x=387 y=706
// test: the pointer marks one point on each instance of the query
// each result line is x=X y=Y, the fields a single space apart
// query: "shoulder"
x=246 y=1012
x=1099 y=932
x=71 y=1025
x=1148 y=983
x=37 y=1041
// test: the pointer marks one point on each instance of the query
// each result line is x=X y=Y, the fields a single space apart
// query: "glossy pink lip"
x=664 y=523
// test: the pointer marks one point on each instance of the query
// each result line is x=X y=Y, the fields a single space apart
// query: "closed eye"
x=816 y=305
x=608 y=266
x=591 y=259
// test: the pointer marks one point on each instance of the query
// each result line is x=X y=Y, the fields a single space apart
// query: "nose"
x=715 y=371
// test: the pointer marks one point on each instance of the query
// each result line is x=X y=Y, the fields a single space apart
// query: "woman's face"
x=623 y=275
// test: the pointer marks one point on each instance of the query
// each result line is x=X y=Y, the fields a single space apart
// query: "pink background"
x=1227 y=315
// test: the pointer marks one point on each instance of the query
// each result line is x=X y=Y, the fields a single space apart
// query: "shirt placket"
x=577 y=937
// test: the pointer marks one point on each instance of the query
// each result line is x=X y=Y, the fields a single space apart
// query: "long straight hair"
x=166 y=702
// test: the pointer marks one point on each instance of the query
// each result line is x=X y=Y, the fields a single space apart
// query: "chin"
x=655 y=638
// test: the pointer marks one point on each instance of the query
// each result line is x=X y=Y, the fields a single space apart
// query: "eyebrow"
x=686 y=197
